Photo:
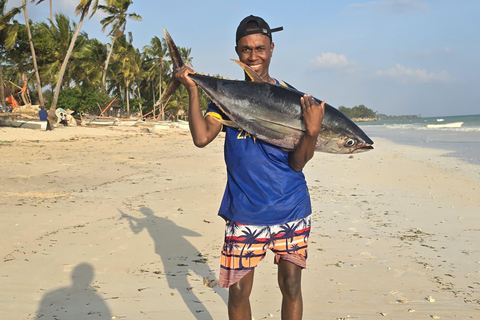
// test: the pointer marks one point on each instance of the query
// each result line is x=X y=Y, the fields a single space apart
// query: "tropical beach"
x=121 y=223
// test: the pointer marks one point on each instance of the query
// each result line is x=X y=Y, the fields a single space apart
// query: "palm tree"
x=289 y=230
x=294 y=248
x=5 y=18
x=16 y=44
x=53 y=40
x=127 y=63
x=83 y=8
x=86 y=62
x=249 y=255
x=32 y=50
x=185 y=54
x=156 y=52
x=249 y=237
x=117 y=10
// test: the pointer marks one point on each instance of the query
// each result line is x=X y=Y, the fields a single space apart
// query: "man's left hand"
x=313 y=113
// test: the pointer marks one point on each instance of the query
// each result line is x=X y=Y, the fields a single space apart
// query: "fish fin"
x=288 y=85
x=177 y=63
x=249 y=71
x=228 y=123
x=172 y=86
x=280 y=128
x=174 y=53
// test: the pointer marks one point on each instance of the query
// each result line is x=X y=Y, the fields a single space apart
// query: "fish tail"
x=177 y=63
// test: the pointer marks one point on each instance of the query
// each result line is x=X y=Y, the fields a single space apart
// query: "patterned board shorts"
x=246 y=245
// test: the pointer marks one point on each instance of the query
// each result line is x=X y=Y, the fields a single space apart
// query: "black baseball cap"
x=264 y=28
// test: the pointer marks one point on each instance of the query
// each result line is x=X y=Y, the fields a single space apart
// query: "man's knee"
x=241 y=290
x=290 y=285
x=290 y=279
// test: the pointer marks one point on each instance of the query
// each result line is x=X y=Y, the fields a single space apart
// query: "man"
x=42 y=114
x=266 y=202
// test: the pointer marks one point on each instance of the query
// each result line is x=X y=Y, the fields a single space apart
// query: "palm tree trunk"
x=160 y=93
x=65 y=62
x=140 y=104
x=128 y=100
x=104 y=76
x=2 y=91
x=51 y=11
x=154 y=106
x=32 y=49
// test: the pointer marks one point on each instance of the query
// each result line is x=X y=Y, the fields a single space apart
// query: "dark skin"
x=256 y=51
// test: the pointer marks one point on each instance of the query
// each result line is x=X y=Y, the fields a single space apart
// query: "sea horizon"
x=462 y=142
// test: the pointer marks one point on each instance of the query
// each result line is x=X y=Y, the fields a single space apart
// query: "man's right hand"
x=182 y=76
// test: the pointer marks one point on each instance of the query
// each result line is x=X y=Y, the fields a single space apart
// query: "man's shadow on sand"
x=179 y=257
x=79 y=301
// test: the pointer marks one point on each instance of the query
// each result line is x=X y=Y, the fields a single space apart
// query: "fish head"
x=343 y=142
x=340 y=134
x=355 y=144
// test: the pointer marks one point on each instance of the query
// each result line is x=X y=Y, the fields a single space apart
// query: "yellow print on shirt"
x=242 y=134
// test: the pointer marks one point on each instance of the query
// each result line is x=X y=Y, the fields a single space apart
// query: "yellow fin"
x=249 y=71
x=228 y=123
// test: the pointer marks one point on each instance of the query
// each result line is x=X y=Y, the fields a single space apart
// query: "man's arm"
x=313 y=113
x=203 y=129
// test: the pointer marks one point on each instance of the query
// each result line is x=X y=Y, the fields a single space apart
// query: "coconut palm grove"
x=54 y=64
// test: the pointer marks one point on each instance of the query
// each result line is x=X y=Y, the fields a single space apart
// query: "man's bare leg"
x=239 y=298
x=290 y=282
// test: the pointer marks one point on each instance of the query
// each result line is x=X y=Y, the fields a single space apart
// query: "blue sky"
x=394 y=56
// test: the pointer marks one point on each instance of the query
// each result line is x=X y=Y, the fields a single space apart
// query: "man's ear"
x=272 y=45
x=236 y=49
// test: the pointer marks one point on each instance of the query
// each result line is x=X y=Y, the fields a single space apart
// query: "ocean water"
x=463 y=142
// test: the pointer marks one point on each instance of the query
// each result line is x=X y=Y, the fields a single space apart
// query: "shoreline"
x=394 y=230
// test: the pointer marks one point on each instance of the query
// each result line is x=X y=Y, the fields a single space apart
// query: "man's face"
x=255 y=50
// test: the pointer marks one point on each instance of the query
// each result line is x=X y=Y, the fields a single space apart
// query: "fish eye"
x=350 y=143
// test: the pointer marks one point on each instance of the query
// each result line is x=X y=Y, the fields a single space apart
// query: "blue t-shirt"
x=43 y=115
x=261 y=188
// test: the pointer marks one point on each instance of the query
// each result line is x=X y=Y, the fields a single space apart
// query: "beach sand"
x=120 y=223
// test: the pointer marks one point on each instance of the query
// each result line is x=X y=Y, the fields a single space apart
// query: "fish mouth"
x=363 y=148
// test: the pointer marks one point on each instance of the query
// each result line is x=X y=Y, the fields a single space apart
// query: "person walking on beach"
x=266 y=204
x=43 y=115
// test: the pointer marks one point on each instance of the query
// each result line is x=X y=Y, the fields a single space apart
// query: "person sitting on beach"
x=266 y=204
x=63 y=119
x=43 y=115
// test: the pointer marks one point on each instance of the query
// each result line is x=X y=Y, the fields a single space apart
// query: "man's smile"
x=255 y=67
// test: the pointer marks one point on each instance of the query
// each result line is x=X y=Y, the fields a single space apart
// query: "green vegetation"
x=362 y=113
x=358 y=112
x=81 y=73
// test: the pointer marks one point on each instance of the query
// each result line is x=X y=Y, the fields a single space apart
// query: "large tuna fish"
x=273 y=112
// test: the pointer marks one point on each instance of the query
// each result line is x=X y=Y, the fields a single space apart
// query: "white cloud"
x=363 y=5
x=425 y=52
x=330 y=60
x=401 y=6
x=406 y=75
x=394 y=6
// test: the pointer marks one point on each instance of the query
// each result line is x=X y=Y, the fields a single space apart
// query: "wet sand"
x=121 y=224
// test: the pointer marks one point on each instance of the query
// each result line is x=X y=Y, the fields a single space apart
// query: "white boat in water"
x=445 y=125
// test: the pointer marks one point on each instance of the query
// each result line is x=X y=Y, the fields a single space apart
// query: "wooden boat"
x=30 y=124
x=107 y=121
x=445 y=125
